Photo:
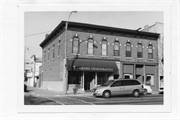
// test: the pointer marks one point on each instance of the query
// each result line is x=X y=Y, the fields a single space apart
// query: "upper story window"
x=59 y=47
x=75 y=44
x=53 y=50
x=104 y=47
x=48 y=53
x=90 y=48
x=150 y=51
x=116 y=48
x=128 y=49
x=139 y=50
x=44 y=56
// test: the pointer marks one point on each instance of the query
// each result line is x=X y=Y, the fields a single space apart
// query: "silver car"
x=119 y=87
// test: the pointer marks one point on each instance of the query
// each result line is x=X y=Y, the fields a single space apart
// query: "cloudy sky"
x=37 y=24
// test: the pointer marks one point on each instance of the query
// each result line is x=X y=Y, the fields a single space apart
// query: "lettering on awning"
x=95 y=69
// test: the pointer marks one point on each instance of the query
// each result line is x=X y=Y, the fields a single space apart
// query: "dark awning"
x=92 y=65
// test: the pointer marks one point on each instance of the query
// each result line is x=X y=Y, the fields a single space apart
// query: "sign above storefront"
x=95 y=69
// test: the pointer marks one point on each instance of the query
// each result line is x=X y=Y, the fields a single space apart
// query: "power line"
x=36 y=34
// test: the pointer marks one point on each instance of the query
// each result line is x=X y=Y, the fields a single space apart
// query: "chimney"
x=46 y=35
x=146 y=28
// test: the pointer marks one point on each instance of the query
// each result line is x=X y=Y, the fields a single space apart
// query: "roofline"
x=62 y=25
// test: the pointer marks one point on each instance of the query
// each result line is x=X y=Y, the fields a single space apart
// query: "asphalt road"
x=118 y=100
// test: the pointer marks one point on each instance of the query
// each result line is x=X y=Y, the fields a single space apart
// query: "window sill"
x=75 y=54
x=116 y=57
x=104 y=56
x=140 y=58
x=129 y=58
x=90 y=55
x=151 y=59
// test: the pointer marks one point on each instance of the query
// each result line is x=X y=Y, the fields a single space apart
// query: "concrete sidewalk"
x=43 y=92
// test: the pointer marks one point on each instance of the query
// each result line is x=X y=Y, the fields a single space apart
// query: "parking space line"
x=95 y=98
x=53 y=100
x=82 y=101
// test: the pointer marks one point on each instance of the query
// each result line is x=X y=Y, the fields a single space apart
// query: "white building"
x=32 y=71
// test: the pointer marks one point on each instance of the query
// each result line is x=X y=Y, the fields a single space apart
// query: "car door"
x=127 y=86
x=116 y=88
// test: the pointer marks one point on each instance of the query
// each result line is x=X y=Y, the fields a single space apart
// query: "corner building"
x=96 y=54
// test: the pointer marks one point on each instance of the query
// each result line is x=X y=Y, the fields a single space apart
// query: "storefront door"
x=89 y=78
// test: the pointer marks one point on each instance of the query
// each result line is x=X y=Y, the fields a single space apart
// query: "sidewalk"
x=43 y=92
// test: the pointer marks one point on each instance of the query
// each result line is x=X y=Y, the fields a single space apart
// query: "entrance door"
x=89 y=78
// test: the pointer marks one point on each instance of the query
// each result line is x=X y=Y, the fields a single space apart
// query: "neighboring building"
x=33 y=71
x=158 y=28
x=96 y=54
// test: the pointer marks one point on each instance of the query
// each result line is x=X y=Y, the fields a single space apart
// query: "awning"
x=91 y=65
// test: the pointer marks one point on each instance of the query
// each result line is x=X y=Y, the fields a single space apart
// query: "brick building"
x=97 y=53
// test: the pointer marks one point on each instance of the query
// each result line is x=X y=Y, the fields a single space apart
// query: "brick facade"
x=52 y=69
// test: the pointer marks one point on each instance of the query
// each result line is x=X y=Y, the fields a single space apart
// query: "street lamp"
x=65 y=81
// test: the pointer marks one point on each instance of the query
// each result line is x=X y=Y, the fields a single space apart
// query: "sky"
x=38 y=24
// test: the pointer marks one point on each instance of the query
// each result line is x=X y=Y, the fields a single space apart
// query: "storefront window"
x=150 y=80
x=74 y=78
x=101 y=78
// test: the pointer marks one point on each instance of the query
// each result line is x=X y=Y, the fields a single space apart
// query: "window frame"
x=48 y=53
x=88 y=49
x=73 y=40
x=59 y=47
x=150 y=47
x=53 y=51
x=128 y=44
x=44 y=55
x=118 y=51
x=139 y=53
x=104 y=42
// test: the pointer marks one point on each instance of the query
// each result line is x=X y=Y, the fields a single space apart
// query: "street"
x=91 y=100
x=123 y=100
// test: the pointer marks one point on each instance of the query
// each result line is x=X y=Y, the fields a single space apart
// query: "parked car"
x=147 y=90
x=161 y=90
x=119 y=87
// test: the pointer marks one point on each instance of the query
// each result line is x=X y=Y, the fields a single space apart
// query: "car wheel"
x=145 y=92
x=106 y=94
x=136 y=93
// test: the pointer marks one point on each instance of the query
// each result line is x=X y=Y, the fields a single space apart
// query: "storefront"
x=146 y=73
x=87 y=74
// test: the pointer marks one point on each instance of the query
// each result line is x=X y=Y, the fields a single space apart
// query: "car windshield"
x=107 y=83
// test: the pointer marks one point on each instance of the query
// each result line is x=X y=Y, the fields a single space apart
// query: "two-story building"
x=96 y=54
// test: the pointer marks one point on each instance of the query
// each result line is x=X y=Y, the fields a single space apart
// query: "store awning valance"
x=91 y=65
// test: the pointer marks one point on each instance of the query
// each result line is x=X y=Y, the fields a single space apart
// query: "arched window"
x=53 y=50
x=48 y=53
x=139 y=50
x=128 y=49
x=59 y=47
x=44 y=56
x=116 y=48
x=150 y=51
x=104 y=47
x=90 y=46
x=75 y=44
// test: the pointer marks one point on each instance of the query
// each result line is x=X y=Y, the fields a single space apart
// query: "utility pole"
x=65 y=81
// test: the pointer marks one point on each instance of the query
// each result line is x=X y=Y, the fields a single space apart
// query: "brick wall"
x=97 y=52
